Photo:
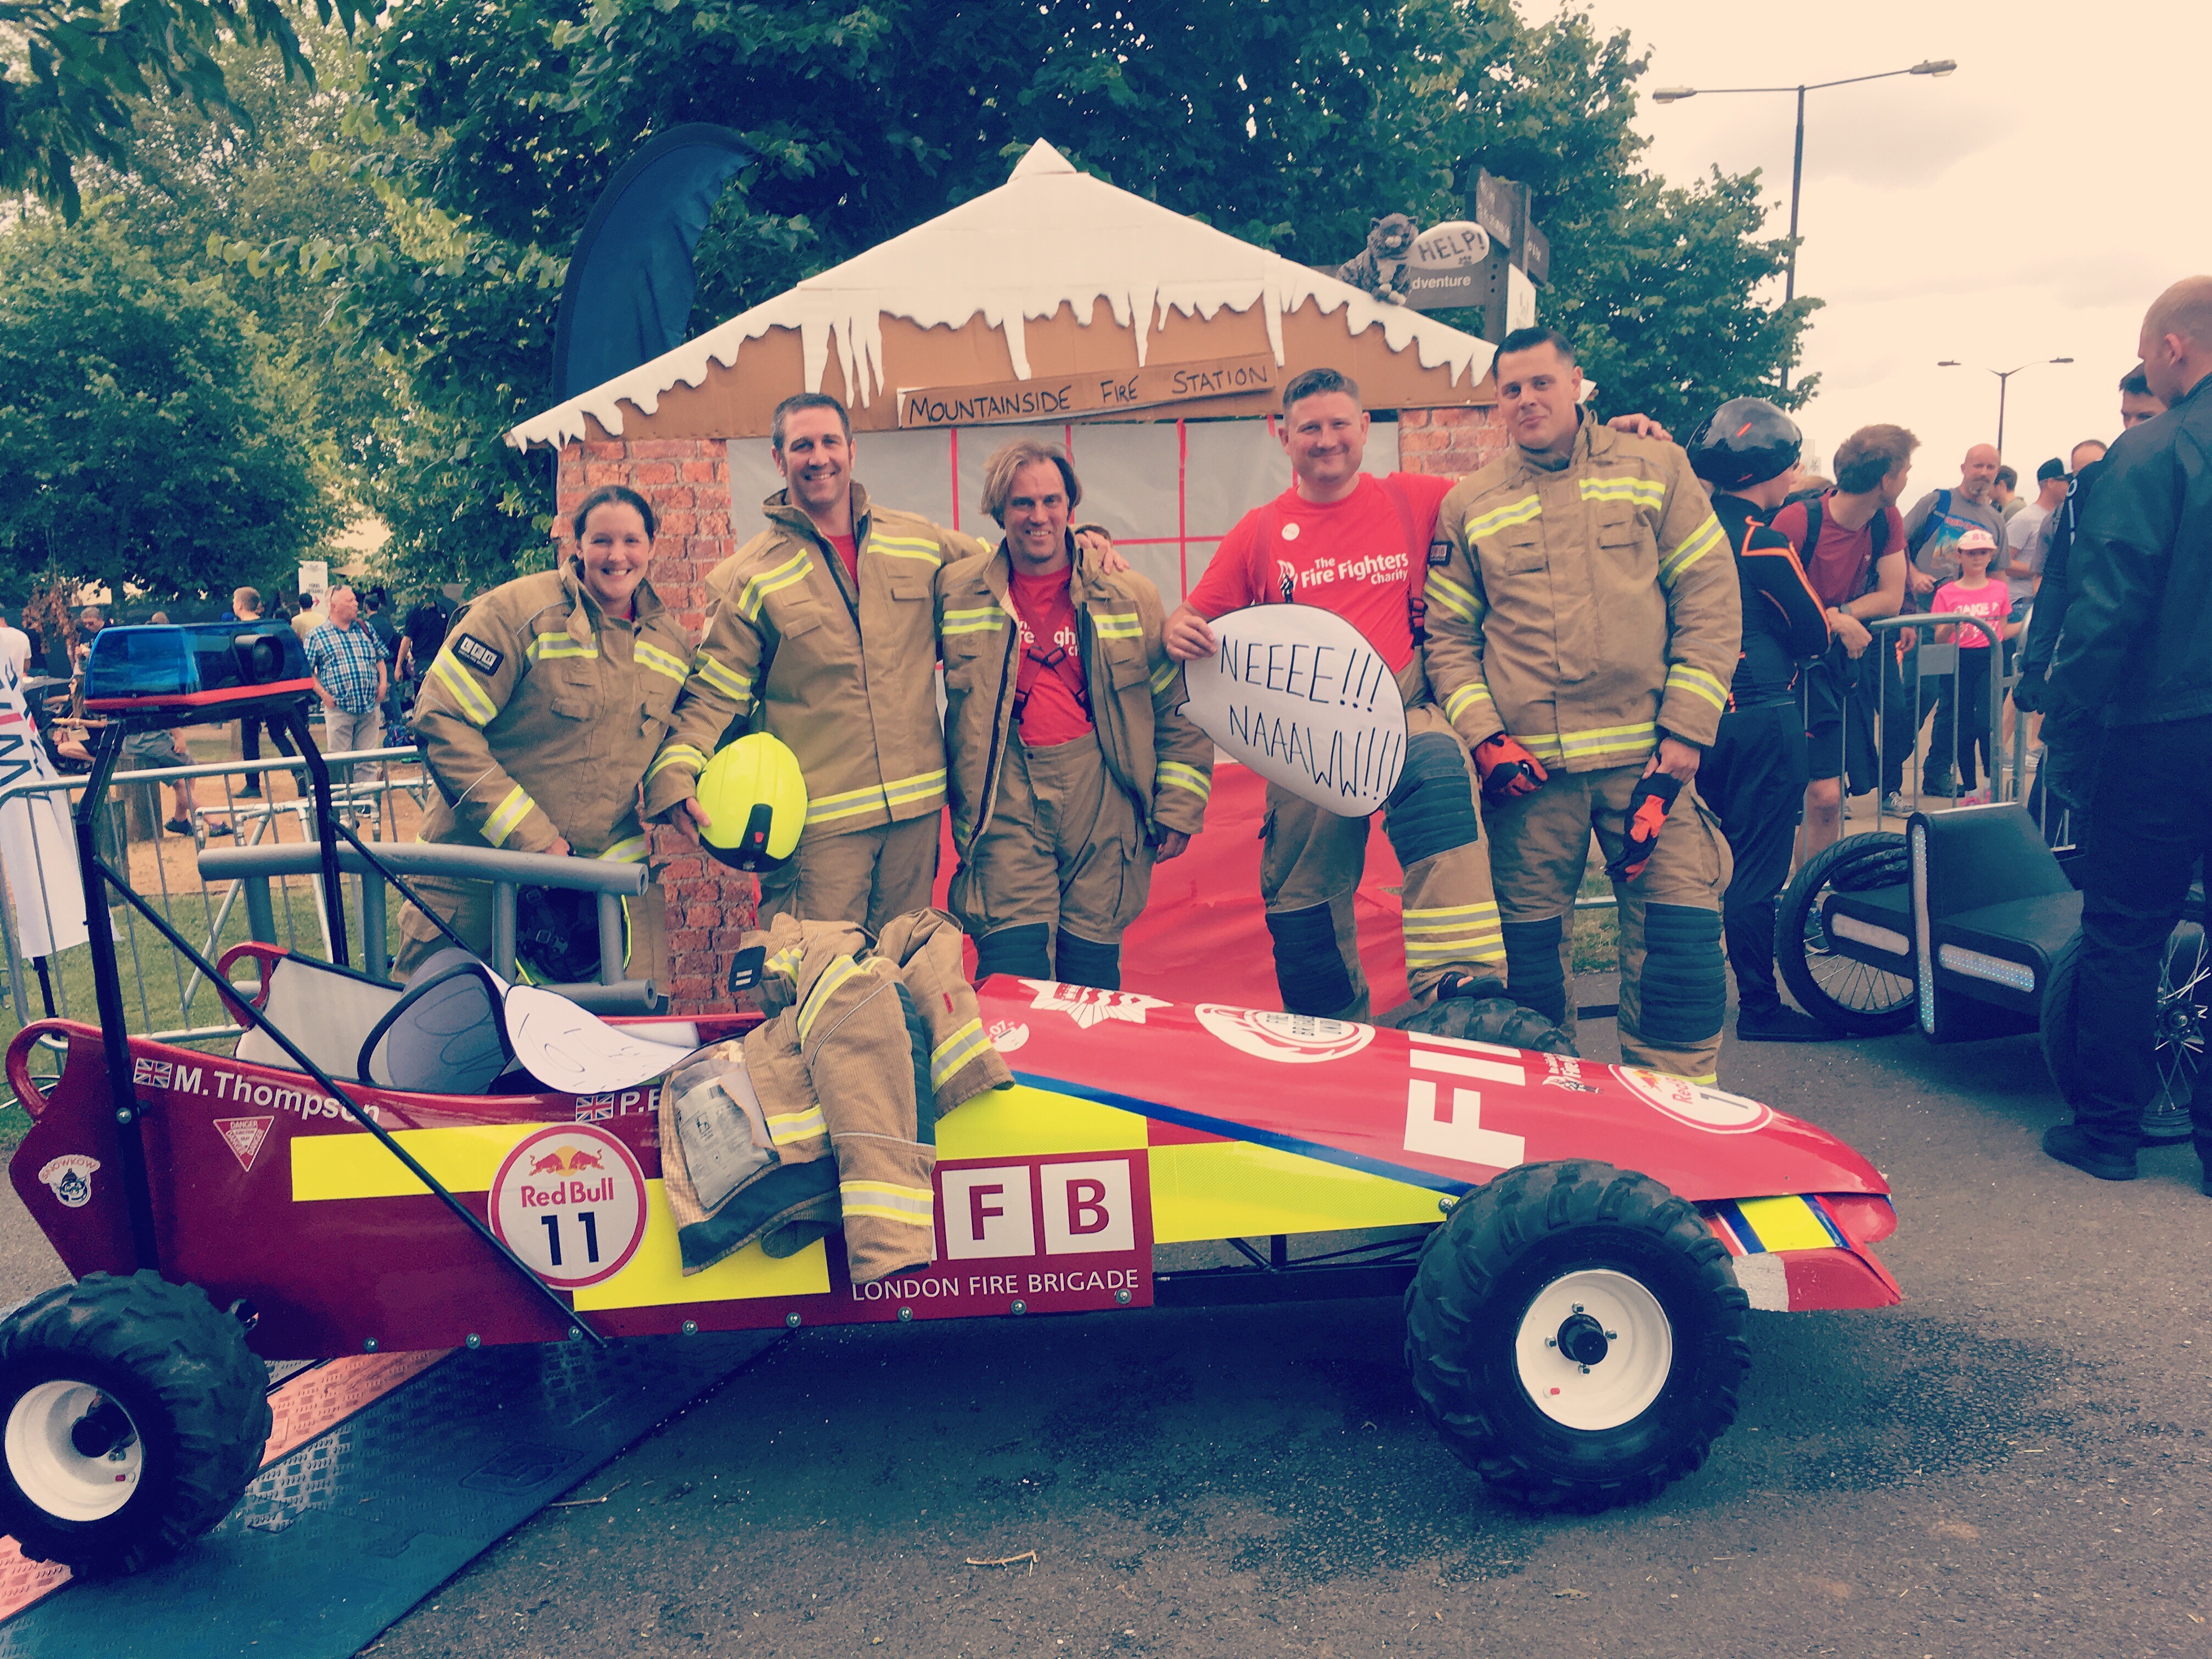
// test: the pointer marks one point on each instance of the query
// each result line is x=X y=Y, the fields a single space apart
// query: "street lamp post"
x=1933 y=66
x=2003 y=375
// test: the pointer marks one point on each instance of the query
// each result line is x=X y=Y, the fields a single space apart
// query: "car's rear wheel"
x=1576 y=1336
x=1838 y=990
x=2180 y=1019
x=132 y=1416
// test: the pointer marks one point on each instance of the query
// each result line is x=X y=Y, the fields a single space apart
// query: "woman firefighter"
x=540 y=713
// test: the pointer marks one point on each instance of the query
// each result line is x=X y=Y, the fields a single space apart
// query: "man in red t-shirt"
x=1073 y=770
x=1852 y=542
x=1352 y=543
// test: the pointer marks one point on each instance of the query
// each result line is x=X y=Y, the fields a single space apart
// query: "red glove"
x=1647 y=816
x=1507 y=768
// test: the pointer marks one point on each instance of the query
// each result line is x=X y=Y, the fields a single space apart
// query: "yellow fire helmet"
x=756 y=796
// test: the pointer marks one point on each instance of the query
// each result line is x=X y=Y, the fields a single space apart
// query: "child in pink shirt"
x=1964 y=697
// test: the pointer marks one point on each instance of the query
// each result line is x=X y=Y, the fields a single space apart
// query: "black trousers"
x=1754 y=777
x=249 y=742
x=1962 y=722
x=1904 y=710
x=2150 y=822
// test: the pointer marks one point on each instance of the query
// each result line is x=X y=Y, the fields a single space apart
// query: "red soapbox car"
x=1590 y=1235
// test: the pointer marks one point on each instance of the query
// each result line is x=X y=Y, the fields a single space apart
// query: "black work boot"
x=1780 y=1024
x=2069 y=1144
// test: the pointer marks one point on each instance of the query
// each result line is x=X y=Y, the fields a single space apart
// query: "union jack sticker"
x=152 y=1073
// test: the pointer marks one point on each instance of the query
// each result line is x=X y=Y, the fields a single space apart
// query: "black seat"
x=445 y=1036
x=1998 y=908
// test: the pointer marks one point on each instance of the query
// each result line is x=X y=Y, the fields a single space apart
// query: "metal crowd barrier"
x=273 y=871
x=1897 y=727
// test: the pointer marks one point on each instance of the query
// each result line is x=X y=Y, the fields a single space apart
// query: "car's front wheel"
x=132 y=1415
x=1576 y=1336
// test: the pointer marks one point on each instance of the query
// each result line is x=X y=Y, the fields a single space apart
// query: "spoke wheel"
x=1839 y=991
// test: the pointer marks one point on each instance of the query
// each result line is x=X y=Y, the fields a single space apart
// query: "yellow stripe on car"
x=1785 y=1223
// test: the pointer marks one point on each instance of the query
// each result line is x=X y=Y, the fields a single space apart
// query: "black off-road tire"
x=1484 y=1019
x=1527 y=1235
x=2183 y=1014
x=1872 y=1003
x=195 y=1396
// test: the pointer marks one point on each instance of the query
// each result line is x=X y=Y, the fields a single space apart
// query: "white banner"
x=1297 y=694
x=38 y=848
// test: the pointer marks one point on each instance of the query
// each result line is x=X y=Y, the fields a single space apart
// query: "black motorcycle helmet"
x=1746 y=441
x=556 y=935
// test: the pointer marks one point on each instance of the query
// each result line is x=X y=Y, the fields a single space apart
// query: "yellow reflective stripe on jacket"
x=900 y=791
x=1644 y=492
x=984 y=619
x=632 y=851
x=825 y=986
x=956 y=1051
x=1602 y=740
x=1505 y=518
x=1116 y=625
x=717 y=674
x=1465 y=697
x=650 y=655
x=475 y=703
x=753 y=598
x=1163 y=676
x=886 y=1201
x=1544 y=746
x=547 y=648
x=1445 y=594
x=677 y=754
x=1693 y=547
x=905 y=547
x=506 y=815
x=786 y=1129
x=1697 y=680
x=1174 y=775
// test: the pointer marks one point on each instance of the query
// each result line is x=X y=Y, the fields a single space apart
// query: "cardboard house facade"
x=1152 y=348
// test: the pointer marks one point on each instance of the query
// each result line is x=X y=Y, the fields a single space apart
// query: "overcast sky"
x=2027 y=207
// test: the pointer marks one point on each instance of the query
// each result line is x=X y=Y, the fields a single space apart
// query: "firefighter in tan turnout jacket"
x=820 y=631
x=540 y=714
x=1072 y=769
x=1581 y=637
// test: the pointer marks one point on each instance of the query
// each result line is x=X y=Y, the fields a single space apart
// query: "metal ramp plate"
x=387 y=1476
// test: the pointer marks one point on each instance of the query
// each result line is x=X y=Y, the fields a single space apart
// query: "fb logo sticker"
x=987 y=1212
x=1086 y=1208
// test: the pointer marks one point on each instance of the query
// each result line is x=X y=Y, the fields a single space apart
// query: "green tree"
x=1290 y=123
x=71 y=70
x=144 y=439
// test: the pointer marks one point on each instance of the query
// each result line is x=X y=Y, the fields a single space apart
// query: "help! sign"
x=1055 y=1235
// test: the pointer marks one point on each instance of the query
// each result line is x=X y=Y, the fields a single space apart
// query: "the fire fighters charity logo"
x=1087 y=1005
x=1694 y=1104
x=1293 y=1039
x=70 y=1177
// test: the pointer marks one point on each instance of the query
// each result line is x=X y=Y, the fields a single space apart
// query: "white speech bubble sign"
x=572 y=1051
x=1297 y=694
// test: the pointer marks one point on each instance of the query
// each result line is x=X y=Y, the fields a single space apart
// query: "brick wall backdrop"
x=687 y=481
x=1450 y=442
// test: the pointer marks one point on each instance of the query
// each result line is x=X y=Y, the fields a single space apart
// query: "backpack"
x=1941 y=511
x=1878 y=525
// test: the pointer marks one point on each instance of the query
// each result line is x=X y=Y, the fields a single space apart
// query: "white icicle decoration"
x=1050 y=236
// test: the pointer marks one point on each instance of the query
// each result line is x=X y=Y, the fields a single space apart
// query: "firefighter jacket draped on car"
x=1584 y=611
x=539 y=713
x=865 y=1048
x=844 y=676
x=1162 y=761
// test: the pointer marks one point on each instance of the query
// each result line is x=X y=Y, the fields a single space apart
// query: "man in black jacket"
x=1754 y=774
x=2134 y=659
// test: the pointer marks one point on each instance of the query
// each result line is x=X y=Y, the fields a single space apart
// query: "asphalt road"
x=2014 y=1463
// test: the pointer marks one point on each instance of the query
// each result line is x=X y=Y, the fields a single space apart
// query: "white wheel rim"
x=51 y=1471
x=1639 y=1350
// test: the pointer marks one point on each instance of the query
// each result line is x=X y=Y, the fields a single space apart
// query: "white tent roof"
x=1048 y=236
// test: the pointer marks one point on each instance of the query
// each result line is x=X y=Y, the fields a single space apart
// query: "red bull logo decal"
x=570 y=1201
